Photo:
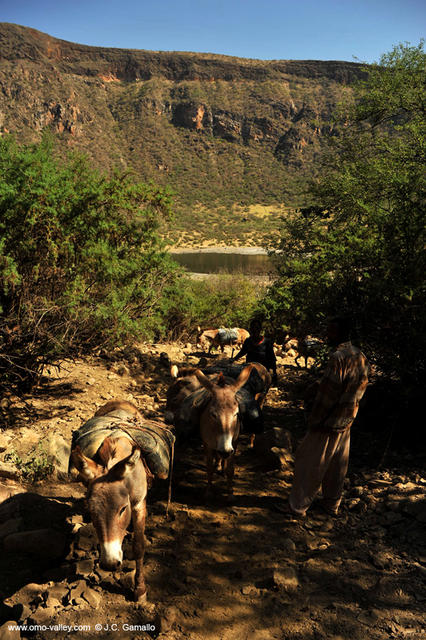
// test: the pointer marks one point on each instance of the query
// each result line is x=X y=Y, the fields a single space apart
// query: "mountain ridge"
x=224 y=133
x=55 y=48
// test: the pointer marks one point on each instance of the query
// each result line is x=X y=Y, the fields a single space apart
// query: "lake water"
x=212 y=262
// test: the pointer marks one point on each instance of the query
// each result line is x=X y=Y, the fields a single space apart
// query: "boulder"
x=43 y=616
x=59 y=450
x=7 y=632
x=57 y=593
x=31 y=593
x=84 y=567
x=86 y=537
x=92 y=597
x=285 y=578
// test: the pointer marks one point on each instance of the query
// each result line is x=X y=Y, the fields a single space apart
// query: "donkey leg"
x=210 y=463
x=139 y=517
x=217 y=463
x=229 y=470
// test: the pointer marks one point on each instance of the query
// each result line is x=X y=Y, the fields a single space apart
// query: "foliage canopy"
x=81 y=262
x=361 y=250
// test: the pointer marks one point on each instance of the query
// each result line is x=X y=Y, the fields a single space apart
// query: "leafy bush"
x=222 y=300
x=36 y=467
x=81 y=262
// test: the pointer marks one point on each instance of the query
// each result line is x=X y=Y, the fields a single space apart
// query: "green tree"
x=361 y=250
x=81 y=262
x=222 y=300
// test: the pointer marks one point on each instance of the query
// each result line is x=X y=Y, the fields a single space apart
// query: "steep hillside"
x=223 y=132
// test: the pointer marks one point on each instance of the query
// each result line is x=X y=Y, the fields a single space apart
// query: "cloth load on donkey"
x=254 y=384
x=153 y=439
x=227 y=336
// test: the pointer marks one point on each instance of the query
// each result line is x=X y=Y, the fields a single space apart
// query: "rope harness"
x=134 y=422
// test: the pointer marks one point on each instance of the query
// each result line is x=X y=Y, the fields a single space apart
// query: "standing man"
x=323 y=455
x=257 y=348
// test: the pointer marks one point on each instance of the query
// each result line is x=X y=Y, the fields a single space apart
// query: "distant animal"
x=220 y=337
x=106 y=452
x=308 y=348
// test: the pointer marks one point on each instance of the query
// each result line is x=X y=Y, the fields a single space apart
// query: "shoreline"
x=247 y=251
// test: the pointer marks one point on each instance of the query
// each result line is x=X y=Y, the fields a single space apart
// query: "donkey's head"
x=219 y=423
x=110 y=489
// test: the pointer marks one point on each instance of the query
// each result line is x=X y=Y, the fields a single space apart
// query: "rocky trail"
x=216 y=570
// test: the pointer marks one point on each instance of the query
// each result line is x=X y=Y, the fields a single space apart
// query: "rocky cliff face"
x=214 y=127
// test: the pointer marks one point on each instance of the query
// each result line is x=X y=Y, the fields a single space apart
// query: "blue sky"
x=265 y=29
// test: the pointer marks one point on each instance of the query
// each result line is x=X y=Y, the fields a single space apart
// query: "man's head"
x=338 y=330
x=255 y=328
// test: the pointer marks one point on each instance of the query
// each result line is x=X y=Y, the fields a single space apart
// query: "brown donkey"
x=220 y=423
x=117 y=482
x=221 y=337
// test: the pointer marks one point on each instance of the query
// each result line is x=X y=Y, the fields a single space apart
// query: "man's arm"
x=242 y=351
x=328 y=394
x=271 y=360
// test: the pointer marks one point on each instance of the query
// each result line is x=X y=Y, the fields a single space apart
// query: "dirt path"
x=218 y=570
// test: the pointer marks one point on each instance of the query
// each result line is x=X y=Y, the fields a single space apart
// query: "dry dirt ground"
x=219 y=570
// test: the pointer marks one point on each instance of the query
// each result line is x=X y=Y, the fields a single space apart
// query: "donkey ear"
x=175 y=372
x=204 y=380
x=126 y=466
x=88 y=469
x=243 y=377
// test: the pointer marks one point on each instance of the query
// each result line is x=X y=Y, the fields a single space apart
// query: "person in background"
x=258 y=348
x=323 y=455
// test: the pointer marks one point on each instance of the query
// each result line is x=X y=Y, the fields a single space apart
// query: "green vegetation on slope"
x=221 y=132
x=81 y=261
x=362 y=250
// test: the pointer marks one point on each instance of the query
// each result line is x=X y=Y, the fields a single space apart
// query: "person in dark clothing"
x=257 y=348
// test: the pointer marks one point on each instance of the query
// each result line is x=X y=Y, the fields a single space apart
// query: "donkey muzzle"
x=111 y=555
x=224 y=445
